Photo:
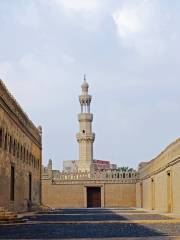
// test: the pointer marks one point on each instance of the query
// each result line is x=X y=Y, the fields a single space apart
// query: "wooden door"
x=93 y=197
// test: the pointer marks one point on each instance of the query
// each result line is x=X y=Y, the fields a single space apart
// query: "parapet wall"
x=64 y=190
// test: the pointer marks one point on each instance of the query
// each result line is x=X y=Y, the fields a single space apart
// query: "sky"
x=130 y=53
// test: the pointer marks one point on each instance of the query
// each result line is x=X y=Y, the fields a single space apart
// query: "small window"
x=5 y=142
x=12 y=186
x=84 y=131
x=1 y=137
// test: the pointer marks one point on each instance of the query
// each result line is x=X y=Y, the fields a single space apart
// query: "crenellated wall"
x=69 y=190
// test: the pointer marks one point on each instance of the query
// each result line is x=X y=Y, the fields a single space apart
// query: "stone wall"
x=69 y=190
x=20 y=148
x=158 y=188
x=75 y=195
x=120 y=195
x=62 y=196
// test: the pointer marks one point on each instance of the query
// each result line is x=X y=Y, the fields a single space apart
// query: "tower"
x=85 y=137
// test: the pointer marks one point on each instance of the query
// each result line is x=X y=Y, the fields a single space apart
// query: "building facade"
x=20 y=156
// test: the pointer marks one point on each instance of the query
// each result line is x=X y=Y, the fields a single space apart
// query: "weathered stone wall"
x=20 y=147
x=160 y=179
x=117 y=195
x=75 y=195
x=62 y=196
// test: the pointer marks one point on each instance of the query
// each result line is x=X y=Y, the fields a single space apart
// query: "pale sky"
x=130 y=52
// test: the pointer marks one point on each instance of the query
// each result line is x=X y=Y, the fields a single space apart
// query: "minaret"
x=85 y=137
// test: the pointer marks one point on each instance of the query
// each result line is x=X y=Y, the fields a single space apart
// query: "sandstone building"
x=20 y=156
x=155 y=186
x=158 y=187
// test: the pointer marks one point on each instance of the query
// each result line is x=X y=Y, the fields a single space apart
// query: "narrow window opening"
x=1 y=137
x=12 y=183
x=30 y=187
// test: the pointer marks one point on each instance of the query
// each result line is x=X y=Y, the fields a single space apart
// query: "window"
x=12 y=183
x=1 y=137
x=14 y=147
x=84 y=131
x=27 y=157
x=5 y=142
x=30 y=187
x=18 y=150
x=24 y=154
x=10 y=144
x=21 y=153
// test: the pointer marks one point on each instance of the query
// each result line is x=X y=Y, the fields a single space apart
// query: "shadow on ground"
x=48 y=226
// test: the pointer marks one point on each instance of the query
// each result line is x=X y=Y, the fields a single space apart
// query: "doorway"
x=152 y=194
x=169 y=192
x=141 y=193
x=93 y=197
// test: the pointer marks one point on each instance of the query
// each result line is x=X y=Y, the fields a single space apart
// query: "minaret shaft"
x=85 y=137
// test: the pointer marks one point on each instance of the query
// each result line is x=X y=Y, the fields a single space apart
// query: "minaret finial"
x=85 y=77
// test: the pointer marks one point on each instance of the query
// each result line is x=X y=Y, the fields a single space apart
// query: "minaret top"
x=85 y=85
x=85 y=98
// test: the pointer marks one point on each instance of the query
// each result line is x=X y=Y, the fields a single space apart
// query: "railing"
x=100 y=176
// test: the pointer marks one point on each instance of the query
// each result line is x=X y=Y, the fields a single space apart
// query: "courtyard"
x=92 y=223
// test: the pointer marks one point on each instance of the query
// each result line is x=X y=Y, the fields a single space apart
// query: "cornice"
x=164 y=152
x=170 y=164
x=14 y=110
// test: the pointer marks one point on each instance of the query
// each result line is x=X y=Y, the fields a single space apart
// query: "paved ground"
x=93 y=223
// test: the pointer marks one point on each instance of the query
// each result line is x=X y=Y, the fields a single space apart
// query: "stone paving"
x=120 y=223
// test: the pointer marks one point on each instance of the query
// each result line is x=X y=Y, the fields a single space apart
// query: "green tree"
x=125 y=169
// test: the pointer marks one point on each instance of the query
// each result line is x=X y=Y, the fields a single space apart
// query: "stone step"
x=7 y=216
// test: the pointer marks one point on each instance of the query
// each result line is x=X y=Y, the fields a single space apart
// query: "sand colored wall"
x=74 y=195
x=18 y=131
x=160 y=181
x=176 y=187
x=146 y=194
x=117 y=195
x=138 y=195
x=63 y=195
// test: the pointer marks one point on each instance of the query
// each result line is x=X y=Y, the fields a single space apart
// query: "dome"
x=85 y=85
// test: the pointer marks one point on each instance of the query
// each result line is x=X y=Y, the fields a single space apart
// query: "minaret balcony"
x=81 y=137
x=85 y=117
x=83 y=99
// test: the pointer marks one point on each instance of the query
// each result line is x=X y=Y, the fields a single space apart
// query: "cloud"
x=82 y=13
x=144 y=26
x=128 y=20
x=80 y=5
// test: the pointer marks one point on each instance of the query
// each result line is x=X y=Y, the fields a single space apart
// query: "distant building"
x=103 y=165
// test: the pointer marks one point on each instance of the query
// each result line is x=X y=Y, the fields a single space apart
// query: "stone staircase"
x=9 y=217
